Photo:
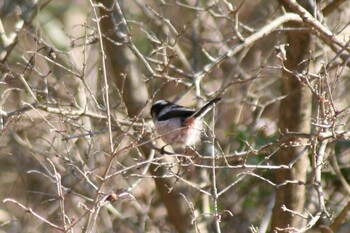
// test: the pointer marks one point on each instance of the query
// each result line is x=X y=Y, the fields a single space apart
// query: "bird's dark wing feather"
x=181 y=113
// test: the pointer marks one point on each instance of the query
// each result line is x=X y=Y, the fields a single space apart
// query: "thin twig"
x=29 y=210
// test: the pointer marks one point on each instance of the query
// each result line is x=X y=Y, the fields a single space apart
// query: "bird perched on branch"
x=177 y=125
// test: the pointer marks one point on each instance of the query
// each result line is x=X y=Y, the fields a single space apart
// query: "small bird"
x=177 y=125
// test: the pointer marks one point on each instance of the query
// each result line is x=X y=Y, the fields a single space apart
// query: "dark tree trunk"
x=295 y=114
x=126 y=76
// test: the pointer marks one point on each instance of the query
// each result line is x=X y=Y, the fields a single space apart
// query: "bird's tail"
x=206 y=108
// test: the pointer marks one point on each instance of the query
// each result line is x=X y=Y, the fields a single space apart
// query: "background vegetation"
x=78 y=148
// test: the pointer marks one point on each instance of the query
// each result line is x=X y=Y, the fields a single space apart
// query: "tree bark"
x=295 y=115
x=126 y=75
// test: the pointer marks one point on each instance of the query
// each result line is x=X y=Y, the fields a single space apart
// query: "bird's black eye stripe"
x=158 y=107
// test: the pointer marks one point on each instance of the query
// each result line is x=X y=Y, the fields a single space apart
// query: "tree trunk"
x=295 y=115
x=126 y=76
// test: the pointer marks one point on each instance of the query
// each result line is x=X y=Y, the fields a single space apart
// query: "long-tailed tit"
x=177 y=125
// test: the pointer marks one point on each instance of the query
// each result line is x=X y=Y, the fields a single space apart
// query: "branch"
x=29 y=210
x=332 y=7
x=324 y=33
x=263 y=32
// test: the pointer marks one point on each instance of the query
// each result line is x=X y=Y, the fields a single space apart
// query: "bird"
x=177 y=125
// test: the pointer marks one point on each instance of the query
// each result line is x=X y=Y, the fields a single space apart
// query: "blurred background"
x=78 y=150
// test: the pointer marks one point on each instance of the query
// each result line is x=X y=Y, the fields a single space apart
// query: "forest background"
x=78 y=148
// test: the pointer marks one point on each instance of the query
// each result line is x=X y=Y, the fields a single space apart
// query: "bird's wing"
x=178 y=112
